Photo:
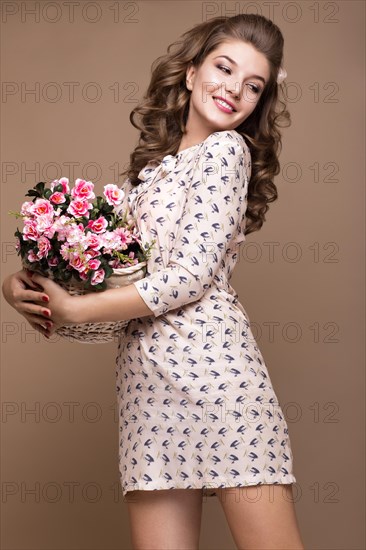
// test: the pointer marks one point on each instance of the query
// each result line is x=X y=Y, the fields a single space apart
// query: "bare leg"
x=261 y=517
x=165 y=519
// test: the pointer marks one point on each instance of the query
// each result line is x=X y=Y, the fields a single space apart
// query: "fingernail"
x=46 y=312
x=45 y=298
x=48 y=324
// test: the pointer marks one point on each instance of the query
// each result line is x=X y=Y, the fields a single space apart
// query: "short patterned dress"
x=197 y=409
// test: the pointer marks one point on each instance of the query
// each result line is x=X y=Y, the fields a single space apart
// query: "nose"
x=233 y=87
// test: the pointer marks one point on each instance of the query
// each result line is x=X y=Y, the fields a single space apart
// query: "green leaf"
x=40 y=187
x=108 y=270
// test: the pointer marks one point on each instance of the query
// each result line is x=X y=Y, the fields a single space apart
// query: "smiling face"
x=225 y=89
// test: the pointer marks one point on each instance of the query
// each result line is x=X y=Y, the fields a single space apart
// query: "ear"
x=190 y=75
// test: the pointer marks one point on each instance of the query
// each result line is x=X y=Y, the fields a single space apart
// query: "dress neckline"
x=183 y=151
x=170 y=161
x=188 y=148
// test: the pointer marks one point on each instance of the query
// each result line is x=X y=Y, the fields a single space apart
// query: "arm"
x=211 y=219
x=92 y=307
x=33 y=297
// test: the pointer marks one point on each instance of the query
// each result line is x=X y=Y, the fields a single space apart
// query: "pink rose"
x=93 y=264
x=115 y=263
x=124 y=235
x=83 y=274
x=75 y=234
x=32 y=257
x=83 y=190
x=113 y=194
x=57 y=198
x=111 y=241
x=65 y=252
x=62 y=181
x=49 y=232
x=27 y=208
x=99 y=225
x=79 y=207
x=61 y=226
x=90 y=254
x=52 y=262
x=30 y=231
x=98 y=277
x=93 y=241
x=44 y=246
x=41 y=207
x=44 y=223
x=76 y=262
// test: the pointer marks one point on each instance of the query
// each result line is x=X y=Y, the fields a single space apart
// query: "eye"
x=254 y=88
x=224 y=69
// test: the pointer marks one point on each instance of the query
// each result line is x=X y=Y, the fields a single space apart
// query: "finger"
x=26 y=276
x=33 y=296
x=52 y=330
x=26 y=294
x=40 y=329
x=39 y=279
x=29 y=308
x=39 y=320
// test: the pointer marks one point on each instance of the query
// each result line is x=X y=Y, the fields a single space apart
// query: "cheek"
x=201 y=95
x=250 y=102
x=206 y=83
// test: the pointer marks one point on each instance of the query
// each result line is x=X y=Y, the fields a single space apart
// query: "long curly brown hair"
x=163 y=111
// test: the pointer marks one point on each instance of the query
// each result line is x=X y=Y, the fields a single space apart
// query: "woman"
x=198 y=413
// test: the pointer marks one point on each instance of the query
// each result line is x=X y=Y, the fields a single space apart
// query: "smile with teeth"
x=223 y=103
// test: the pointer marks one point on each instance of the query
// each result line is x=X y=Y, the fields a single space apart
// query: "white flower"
x=282 y=74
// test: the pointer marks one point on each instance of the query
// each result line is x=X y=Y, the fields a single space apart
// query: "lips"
x=225 y=101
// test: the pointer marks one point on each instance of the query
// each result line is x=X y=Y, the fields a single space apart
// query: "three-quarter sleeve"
x=211 y=220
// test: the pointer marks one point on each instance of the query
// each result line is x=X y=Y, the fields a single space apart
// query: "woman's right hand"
x=27 y=301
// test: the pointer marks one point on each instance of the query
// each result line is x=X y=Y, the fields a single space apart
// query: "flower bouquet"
x=85 y=243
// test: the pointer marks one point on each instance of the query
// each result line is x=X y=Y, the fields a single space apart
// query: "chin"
x=217 y=126
x=223 y=127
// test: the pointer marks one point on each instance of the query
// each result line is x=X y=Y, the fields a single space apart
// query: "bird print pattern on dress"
x=197 y=408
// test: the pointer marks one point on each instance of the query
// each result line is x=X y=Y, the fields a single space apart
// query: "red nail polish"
x=48 y=324
x=45 y=298
x=46 y=312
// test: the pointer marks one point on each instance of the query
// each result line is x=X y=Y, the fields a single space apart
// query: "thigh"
x=261 y=516
x=165 y=519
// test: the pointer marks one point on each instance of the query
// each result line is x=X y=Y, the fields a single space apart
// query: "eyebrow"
x=234 y=63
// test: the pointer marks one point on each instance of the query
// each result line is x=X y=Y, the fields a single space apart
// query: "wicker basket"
x=104 y=332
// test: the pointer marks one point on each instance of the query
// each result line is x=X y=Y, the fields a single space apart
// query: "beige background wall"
x=300 y=278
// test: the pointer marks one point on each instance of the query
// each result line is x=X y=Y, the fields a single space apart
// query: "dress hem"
x=210 y=486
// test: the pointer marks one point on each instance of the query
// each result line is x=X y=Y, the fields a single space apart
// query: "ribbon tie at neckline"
x=148 y=176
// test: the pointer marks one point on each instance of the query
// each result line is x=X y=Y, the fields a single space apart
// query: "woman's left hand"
x=61 y=304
